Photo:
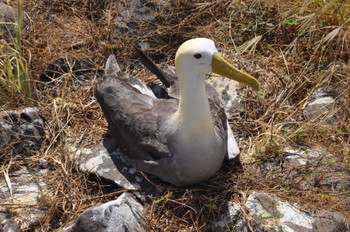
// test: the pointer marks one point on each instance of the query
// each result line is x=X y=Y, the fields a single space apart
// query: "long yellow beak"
x=222 y=67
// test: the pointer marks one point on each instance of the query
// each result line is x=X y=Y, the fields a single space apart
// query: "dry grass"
x=292 y=51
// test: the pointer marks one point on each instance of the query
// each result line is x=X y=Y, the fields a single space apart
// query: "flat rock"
x=272 y=214
x=21 y=130
x=229 y=93
x=323 y=92
x=105 y=161
x=123 y=215
x=306 y=169
x=134 y=16
x=322 y=106
x=231 y=219
x=20 y=193
x=131 y=15
x=7 y=222
x=97 y=160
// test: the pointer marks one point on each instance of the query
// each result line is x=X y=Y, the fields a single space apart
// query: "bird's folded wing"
x=134 y=118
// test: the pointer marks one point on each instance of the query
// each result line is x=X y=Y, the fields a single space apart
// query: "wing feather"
x=133 y=117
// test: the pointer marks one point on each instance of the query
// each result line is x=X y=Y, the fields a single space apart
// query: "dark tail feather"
x=148 y=63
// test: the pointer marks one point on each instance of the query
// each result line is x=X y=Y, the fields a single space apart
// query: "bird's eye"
x=197 y=55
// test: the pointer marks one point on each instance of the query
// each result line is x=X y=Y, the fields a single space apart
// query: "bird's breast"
x=197 y=148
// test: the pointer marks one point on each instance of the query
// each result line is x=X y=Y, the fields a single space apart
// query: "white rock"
x=229 y=93
x=110 y=166
x=272 y=214
x=122 y=215
x=23 y=191
x=322 y=106
x=231 y=219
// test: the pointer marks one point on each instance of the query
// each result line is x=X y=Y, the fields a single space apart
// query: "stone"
x=308 y=168
x=122 y=215
x=322 y=106
x=301 y=158
x=231 y=219
x=272 y=214
x=97 y=160
x=8 y=18
x=105 y=161
x=20 y=194
x=21 y=130
x=7 y=222
x=323 y=92
x=132 y=14
x=229 y=93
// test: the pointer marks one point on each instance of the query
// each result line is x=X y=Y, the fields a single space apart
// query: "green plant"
x=14 y=77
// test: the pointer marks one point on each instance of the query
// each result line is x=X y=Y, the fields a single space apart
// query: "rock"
x=322 y=106
x=272 y=214
x=21 y=130
x=133 y=13
x=7 y=222
x=8 y=18
x=122 y=215
x=105 y=161
x=229 y=94
x=20 y=195
x=265 y=213
x=323 y=92
x=231 y=219
x=97 y=160
x=306 y=169
x=136 y=16
x=320 y=169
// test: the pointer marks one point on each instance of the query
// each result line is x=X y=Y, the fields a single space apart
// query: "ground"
x=293 y=48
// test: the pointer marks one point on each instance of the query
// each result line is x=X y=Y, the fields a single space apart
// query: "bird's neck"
x=193 y=108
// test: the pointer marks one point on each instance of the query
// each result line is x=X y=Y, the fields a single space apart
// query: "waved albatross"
x=182 y=138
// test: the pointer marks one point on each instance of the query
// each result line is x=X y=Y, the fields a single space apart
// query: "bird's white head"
x=196 y=57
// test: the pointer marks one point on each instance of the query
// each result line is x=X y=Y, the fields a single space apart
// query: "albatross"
x=181 y=138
